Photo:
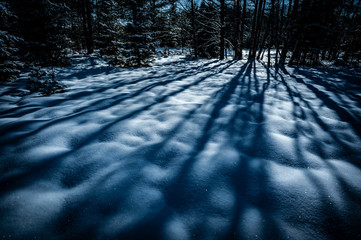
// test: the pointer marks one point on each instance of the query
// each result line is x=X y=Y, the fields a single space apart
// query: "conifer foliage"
x=138 y=47
x=108 y=30
x=8 y=44
x=128 y=32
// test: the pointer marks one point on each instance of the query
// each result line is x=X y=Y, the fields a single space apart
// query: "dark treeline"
x=128 y=32
x=300 y=31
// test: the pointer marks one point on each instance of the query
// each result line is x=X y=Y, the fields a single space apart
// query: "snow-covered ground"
x=183 y=150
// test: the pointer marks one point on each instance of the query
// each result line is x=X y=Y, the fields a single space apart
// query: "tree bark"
x=86 y=11
x=194 y=30
x=242 y=27
x=259 y=24
x=253 y=31
x=289 y=35
x=256 y=28
x=279 y=28
x=222 y=15
x=236 y=30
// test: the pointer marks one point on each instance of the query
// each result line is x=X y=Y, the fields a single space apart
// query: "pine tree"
x=8 y=44
x=236 y=30
x=43 y=26
x=170 y=30
x=75 y=26
x=108 y=31
x=209 y=30
x=137 y=42
x=222 y=28
x=86 y=10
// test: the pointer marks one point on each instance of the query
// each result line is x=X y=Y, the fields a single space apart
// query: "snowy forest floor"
x=183 y=150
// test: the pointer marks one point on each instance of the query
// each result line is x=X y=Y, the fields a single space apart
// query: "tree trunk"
x=194 y=30
x=236 y=30
x=262 y=45
x=253 y=31
x=86 y=11
x=242 y=27
x=271 y=40
x=256 y=28
x=90 y=27
x=221 y=47
x=289 y=35
x=279 y=28
x=260 y=14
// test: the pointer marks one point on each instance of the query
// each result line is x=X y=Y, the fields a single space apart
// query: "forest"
x=127 y=33
x=180 y=119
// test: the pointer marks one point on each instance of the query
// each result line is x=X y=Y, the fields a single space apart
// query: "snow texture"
x=183 y=150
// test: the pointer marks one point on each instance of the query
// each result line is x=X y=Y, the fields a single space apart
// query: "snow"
x=183 y=149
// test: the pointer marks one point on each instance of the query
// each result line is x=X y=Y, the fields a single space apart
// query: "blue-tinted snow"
x=183 y=150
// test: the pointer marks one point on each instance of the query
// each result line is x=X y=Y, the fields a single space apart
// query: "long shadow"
x=150 y=228
x=352 y=155
x=323 y=79
x=329 y=215
x=351 y=76
x=28 y=109
x=110 y=103
x=240 y=175
x=177 y=195
x=66 y=222
x=185 y=70
x=87 y=72
x=82 y=215
x=87 y=93
x=251 y=186
x=174 y=191
x=152 y=152
x=266 y=199
x=342 y=113
x=44 y=167
x=299 y=113
x=152 y=85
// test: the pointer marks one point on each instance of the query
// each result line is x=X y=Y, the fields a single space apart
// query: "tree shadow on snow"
x=221 y=185
x=331 y=219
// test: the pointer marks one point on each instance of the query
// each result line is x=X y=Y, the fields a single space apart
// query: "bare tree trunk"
x=289 y=35
x=274 y=31
x=221 y=47
x=236 y=30
x=242 y=27
x=260 y=14
x=262 y=45
x=90 y=27
x=253 y=31
x=270 y=24
x=256 y=26
x=86 y=12
x=136 y=23
x=194 y=30
x=279 y=28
